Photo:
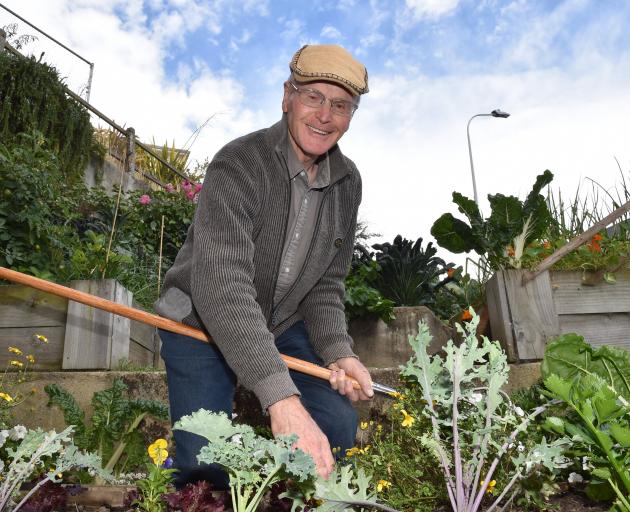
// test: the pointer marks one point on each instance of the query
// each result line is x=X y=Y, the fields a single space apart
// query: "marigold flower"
x=466 y=315
x=355 y=450
x=408 y=419
x=363 y=425
x=145 y=199
x=30 y=358
x=6 y=397
x=510 y=251
x=547 y=244
x=18 y=364
x=383 y=485
x=41 y=337
x=15 y=350
x=450 y=272
x=157 y=451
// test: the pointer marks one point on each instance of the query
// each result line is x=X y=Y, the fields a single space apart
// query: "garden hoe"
x=162 y=323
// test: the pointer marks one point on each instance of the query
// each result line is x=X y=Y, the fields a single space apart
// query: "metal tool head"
x=384 y=390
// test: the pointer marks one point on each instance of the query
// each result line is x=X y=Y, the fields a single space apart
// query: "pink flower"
x=190 y=194
x=145 y=199
x=198 y=187
x=170 y=188
x=186 y=185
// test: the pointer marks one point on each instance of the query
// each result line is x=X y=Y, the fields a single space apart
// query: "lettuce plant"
x=473 y=424
x=50 y=453
x=594 y=385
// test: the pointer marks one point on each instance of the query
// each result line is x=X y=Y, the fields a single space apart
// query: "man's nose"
x=324 y=112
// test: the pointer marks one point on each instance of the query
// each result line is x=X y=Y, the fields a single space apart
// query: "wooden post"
x=131 y=150
x=96 y=339
x=524 y=315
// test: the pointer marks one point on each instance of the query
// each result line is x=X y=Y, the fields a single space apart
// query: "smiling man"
x=263 y=267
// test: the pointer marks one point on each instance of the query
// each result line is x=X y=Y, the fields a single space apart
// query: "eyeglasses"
x=313 y=98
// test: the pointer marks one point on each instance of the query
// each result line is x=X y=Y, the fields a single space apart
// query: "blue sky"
x=560 y=67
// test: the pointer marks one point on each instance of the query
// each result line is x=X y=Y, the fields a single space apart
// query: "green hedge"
x=32 y=98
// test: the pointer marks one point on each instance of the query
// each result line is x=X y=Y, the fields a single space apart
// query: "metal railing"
x=128 y=133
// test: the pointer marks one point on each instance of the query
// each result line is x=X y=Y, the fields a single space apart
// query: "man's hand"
x=351 y=367
x=289 y=416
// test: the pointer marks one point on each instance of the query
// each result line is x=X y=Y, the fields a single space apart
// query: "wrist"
x=281 y=406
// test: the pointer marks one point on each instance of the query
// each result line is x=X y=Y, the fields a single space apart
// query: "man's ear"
x=285 y=98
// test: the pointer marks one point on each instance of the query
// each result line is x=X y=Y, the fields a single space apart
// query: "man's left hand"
x=347 y=367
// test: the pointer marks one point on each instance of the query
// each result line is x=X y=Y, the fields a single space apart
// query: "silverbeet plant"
x=473 y=422
x=38 y=452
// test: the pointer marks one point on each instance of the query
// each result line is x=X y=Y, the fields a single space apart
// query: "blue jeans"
x=199 y=377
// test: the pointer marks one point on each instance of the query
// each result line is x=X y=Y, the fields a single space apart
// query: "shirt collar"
x=296 y=167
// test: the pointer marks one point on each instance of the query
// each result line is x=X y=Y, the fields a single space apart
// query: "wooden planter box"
x=524 y=317
x=79 y=337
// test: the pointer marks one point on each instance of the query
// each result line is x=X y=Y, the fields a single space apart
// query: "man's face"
x=314 y=130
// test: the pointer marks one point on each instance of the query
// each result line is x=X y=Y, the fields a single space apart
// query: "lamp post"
x=494 y=113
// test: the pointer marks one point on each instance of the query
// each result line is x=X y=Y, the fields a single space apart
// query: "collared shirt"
x=305 y=201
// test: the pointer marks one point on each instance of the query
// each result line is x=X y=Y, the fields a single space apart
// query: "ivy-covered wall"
x=32 y=99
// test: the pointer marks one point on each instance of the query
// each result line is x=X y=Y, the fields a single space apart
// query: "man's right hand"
x=288 y=416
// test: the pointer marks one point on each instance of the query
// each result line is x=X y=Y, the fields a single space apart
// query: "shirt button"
x=305 y=200
x=297 y=235
x=287 y=269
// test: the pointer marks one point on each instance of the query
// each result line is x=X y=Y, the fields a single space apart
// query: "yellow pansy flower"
x=157 y=451
x=15 y=351
x=491 y=486
x=6 y=397
x=383 y=485
x=364 y=425
x=41 y=337
x=408 y=419
x=19 y=364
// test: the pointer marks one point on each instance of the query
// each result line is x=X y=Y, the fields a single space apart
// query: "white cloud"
x=430 y=9
x=293 y=29
x=330 y=32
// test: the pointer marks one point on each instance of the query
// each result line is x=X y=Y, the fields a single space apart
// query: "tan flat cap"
x=332 y=63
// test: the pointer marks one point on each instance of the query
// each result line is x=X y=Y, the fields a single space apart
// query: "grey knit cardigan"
x=224 y=277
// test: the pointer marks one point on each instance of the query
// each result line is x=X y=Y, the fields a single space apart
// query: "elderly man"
x=262 y=271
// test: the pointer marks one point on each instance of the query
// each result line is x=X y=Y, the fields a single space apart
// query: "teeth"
x=321 y=132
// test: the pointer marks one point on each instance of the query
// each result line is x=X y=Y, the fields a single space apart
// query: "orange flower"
x=450 y=272
x=466 y=315
x=510 y=250
x=547 y=244
x=594 y=246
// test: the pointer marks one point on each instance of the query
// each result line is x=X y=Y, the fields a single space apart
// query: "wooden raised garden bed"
x=79 y=337
x=523 y=317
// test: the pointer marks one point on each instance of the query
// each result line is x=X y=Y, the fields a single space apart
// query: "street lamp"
x=494 y=113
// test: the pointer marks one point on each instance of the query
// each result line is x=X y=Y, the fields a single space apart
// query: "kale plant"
x=254 y=464
x=473 y=425
x=113 y=429
x=38 y=452
x=503 y=236
x=410 y=275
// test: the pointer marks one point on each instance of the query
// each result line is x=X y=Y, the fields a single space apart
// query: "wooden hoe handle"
x=147 y=318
